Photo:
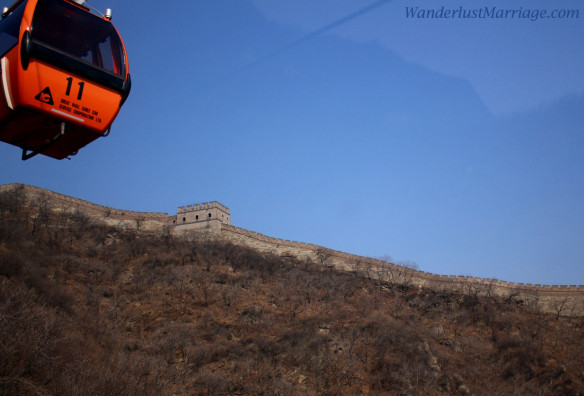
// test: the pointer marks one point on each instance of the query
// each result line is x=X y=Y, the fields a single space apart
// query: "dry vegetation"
x=89 y=309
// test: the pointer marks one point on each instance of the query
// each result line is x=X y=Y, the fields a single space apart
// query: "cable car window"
x=109 y=61
x=9 y=29
x=78 y=33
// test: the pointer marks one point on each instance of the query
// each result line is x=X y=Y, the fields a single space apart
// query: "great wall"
x=213 y=221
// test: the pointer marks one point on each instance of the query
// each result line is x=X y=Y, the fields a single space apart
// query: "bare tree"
x=559 y=306
x=356 y=266
x=13 y=201
x=323 y=256
x=43 y=209
x=407 y=273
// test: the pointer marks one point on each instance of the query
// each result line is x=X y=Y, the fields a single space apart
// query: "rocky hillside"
x=89 y=307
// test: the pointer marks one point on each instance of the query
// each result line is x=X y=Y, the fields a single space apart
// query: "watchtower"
x=208 y=215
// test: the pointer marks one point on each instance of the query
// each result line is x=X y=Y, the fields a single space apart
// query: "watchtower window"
x=209 y=214
x=197 y=217
x=184 y=219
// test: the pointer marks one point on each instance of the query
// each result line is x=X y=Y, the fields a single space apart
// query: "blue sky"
x=455 y=143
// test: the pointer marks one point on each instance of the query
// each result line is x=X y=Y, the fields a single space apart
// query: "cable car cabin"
x=64 y=77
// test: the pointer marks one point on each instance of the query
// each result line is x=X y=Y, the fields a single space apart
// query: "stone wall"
x=568 y=298
x=146 y=221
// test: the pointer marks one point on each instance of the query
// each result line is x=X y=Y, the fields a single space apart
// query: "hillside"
x=89 y=306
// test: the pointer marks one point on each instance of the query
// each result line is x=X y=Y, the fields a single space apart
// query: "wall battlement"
x=202 y=206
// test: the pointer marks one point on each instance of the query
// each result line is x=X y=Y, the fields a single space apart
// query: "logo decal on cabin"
x=45 y=96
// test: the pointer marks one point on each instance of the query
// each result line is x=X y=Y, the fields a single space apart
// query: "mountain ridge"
x=551 y=296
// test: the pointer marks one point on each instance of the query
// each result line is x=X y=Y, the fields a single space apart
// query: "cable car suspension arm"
x=26 y=155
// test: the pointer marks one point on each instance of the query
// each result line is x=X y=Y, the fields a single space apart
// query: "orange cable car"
x=64 y=76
